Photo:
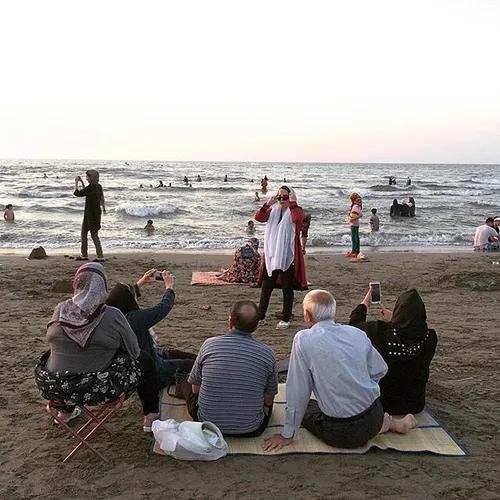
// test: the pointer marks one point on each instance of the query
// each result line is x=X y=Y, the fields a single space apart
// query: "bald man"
x=234 y=378
x=341 y=367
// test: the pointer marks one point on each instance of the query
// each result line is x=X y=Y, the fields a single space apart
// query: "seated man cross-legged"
x=339 y=365
x=234 y=378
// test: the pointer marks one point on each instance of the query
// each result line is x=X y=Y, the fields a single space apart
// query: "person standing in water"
x=8 y=215
x=94 y=200
x=354 y=216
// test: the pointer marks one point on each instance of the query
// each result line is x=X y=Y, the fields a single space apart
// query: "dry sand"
x=461 y=292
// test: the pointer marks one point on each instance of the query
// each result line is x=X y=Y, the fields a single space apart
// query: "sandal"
x=76 y=413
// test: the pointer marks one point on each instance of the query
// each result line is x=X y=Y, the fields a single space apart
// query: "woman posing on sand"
x=407 y=346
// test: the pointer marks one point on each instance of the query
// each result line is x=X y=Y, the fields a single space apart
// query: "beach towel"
x=205 y=278
x=428 y=436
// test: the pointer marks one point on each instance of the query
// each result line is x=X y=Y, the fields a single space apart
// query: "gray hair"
x=321 y=305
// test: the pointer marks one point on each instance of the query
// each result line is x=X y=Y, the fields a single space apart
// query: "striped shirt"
x=234 y=372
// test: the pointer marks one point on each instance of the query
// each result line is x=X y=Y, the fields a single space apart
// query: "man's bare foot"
x=400 y=425
x=148 y=421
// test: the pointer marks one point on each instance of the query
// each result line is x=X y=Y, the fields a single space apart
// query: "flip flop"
x=76 y=413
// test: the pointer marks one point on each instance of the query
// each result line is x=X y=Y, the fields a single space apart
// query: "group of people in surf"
x=403 y=209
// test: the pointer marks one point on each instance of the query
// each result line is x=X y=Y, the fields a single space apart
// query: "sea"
x=451 y=201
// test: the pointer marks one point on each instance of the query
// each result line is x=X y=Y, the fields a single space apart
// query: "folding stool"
x=96 y=420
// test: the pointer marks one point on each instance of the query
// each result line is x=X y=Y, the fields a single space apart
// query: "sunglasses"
x=283 y=197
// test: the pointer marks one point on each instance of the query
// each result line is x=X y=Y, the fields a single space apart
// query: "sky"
x=300 y=81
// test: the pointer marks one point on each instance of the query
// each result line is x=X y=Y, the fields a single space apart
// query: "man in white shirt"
x=341 y=367
x=486 y=238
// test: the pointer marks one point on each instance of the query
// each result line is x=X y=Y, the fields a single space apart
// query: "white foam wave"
x=145 y=210
x=29 y=193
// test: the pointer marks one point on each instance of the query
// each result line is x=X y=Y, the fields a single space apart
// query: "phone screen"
x=375 y=291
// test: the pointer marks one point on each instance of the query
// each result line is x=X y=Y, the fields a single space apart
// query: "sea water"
x=451 y=201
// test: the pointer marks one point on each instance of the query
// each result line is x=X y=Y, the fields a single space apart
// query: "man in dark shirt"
x=94 y=200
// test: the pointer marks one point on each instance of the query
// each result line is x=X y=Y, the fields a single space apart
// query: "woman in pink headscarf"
x=354 y=216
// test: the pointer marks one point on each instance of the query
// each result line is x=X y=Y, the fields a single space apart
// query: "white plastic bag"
x=190 y=440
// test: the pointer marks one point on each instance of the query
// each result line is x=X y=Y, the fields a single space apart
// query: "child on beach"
x=149 y=226
x=354 y=216
x=374 y=221
x=8 y=215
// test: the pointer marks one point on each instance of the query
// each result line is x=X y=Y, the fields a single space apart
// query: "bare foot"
x=403 y=425
x=149 y=419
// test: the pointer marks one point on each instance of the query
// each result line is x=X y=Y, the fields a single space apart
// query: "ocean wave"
x=146 y=210
x=36 y=193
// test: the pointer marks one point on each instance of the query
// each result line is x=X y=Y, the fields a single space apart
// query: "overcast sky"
x=335 y=81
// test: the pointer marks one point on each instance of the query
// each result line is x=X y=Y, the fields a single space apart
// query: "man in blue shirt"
x=341 y=367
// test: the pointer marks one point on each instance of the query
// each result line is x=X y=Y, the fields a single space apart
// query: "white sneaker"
x=282 y=325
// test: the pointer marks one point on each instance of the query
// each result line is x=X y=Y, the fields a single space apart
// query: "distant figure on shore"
x=160 y=185
x=411 y=205
x=355 y=213
x=284 y=179
x=408 y=182
x=94 y=201
x=304 y=231
x=8 y=215
x=186 y=180
x=141 y=186
x=149 y=228
x=486 y=238
x=496 y=224
x=250 y=227
x=256 y=196
x=225 y=178
x=395 y=210
x=374 y=221
x=198 y=179
x=263 y=185
x=169 y=184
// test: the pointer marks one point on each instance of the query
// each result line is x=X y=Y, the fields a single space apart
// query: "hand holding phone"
x=375 y=292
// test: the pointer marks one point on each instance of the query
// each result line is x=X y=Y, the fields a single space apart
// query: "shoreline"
x=426 y=249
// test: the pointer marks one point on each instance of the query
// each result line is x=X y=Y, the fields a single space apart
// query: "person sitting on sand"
x=486 y=238
x=94 y=356
x=407 y=346
x=339 y=365
x=234 y=378
x=245 y=266
x=168 y=361
x=8 y=215
x=149 y=228
x=395 y=208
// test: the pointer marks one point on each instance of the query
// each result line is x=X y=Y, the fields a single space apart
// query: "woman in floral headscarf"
x=94 y=356
x=354 y=216
x=245 y=266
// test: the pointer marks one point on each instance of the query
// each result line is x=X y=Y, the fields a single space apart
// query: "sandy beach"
x=461 y=293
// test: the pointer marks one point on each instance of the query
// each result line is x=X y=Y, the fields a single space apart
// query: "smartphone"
x=159 y=276
x=375 y=285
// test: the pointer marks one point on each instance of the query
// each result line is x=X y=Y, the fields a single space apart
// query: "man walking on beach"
x=234 y=378
x=341 y=367
x=94 y=200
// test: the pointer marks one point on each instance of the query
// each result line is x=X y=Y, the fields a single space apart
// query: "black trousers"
x=192 y=407
x=269 y=284
x=148 y=388
x=351 y=432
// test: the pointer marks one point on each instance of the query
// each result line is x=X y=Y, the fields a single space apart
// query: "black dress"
x=402 y=390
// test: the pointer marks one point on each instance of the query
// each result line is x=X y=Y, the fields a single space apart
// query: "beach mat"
x=428 y=436
x=206 y=278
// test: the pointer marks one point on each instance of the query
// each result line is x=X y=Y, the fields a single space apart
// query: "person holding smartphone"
x=405 y=342
x=283 y=262
x=168 y=361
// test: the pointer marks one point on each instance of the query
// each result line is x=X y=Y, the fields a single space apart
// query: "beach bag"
x=38 y=253
x=190 y=440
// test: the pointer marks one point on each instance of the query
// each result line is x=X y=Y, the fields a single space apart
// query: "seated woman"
x=245 y=266
x=94 y=356
x=395 y=208
x=407 y=346
x=124 y=297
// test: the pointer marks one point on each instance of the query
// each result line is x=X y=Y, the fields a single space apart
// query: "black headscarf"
x=409 y=326
x=123 y=298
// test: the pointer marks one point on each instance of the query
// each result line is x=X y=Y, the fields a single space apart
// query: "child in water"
x=149 y=226
x=8 y=215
